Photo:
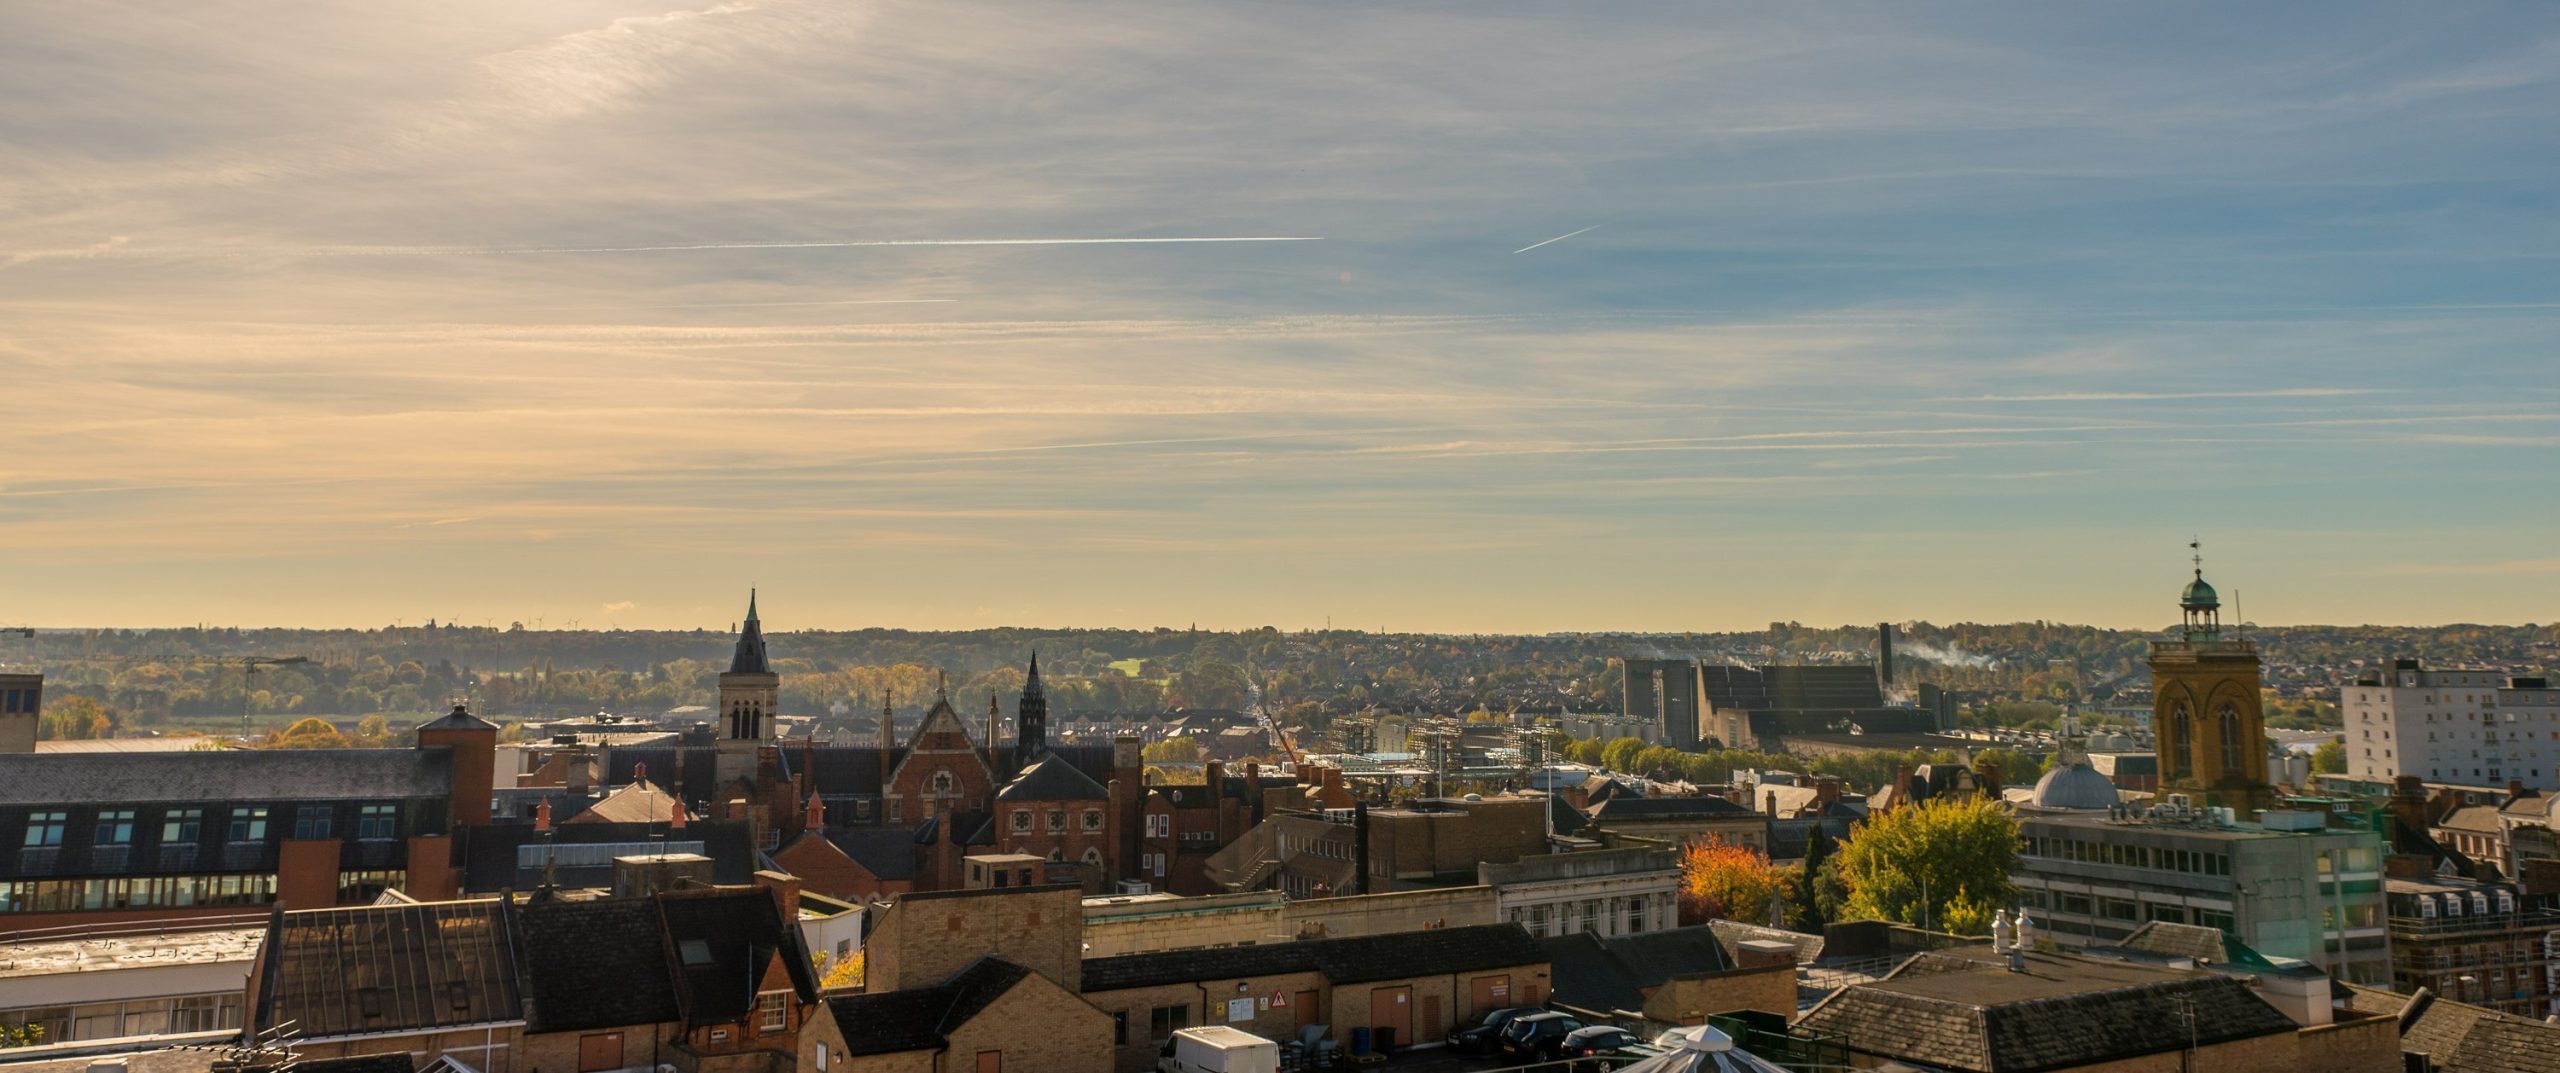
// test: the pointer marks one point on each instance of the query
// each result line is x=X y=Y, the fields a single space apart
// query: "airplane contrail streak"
x=1558 y=238
x=394 y=251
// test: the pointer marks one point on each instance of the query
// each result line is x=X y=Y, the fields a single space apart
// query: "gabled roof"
x=388 y=968
x=595 y=964
x=638 y=802
x=723 y=941
x=1053 y=778
x=1360 y=959
x=922 y=1018
x=886 y=852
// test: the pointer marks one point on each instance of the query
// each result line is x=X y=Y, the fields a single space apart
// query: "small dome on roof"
x=2199 y=594
x=2075 y=786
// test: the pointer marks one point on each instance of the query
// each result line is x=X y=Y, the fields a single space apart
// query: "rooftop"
x=143 y=951
x=230 y=775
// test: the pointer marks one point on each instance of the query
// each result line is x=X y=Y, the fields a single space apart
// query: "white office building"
x=2471 y=725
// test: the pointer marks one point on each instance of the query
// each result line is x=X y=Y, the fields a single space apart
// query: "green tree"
x=1913 y=863
x=20 y=1035
x=2330 y=758
x=1180 y=749
x=1806 y=909
x=1209 y=684
x=1620 y=755
x=309 y=732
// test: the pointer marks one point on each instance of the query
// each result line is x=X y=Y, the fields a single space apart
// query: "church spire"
x=750 y=658
x=1031 y=718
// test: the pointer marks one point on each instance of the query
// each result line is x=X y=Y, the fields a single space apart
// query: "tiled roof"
x=922 y=1018
x=2461 y=1038
x=248 y=775
x=1960 y=1010
x=2201 y=944
x=388 y=968
x=886 y=852
x=596 y=964
x=1360 y=959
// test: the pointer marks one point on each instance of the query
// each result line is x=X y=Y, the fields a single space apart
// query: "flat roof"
x=145 y=951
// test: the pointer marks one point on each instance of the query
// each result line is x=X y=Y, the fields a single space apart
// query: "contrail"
x=394 y=251
x=1558 y=238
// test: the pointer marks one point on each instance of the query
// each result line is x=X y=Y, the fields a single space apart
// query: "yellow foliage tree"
x=1722 y=880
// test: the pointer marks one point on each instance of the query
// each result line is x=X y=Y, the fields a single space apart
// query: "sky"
x=1473 y=317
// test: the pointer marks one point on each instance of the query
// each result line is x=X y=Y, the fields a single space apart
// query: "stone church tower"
x=2205 y=708
x=749 y=692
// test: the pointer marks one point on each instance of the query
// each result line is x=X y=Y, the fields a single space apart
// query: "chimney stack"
x=1884 y=654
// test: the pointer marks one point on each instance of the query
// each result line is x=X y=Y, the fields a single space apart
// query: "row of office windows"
x=137 y=892
x=2195 y=862
x=185 y=826
x=2122 y=910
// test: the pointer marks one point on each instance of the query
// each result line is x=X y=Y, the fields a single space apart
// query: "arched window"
x=942 y=782
x=2230 y=721
x=1093 y=857
x=2182 y=742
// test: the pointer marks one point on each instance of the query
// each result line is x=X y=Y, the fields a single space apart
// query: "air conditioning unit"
x=1136 y=886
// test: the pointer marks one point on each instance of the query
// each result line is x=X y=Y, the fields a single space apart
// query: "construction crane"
x=249 y=665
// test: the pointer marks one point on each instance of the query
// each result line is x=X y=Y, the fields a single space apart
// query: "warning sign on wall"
x=1279 y=1000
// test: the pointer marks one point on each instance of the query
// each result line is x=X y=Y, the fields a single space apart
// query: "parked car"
x=1539 y=1035
x=1609 y=1041
x=1486 y=1037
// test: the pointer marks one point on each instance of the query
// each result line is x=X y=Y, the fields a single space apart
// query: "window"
x=311 y=821
x=1057 y=819
x=45 y=828
x=1093 y=819
x=1159 y=825
x=1022 y=819
x=248 y=825
x=378 y=823
x=181 y=826
x=1164 y=1020
x=773 y=1011
x=115 y=828
x=822 y=1058
x=1119 y=1028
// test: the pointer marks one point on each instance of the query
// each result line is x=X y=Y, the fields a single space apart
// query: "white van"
x=1218 y=1049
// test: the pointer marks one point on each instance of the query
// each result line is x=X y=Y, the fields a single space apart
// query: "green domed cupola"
x=2202 y=606
x=2199 y=593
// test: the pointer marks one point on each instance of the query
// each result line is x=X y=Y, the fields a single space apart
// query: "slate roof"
x=1359 y=959
x=393 y=1062
x=247 y=775
x=742 y=932
x=922 y=1018
x=1961 y=1010
x=1053 y=778
x=387 y=968
x=570 y=946
x=1666 y=808
x=886 y=852
x=1607 y=975
x=2461 y=1038
x=2195 y=942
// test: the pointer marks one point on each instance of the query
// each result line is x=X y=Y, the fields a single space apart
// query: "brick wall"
x=1037 y=1027
x=1137 y=1004
x=1690 y=999
x=1380 y=914
x=922 y=941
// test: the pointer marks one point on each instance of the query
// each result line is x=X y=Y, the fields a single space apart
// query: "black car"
x=1608 y=1041
x=1539 y=1034
x=1486 y=1038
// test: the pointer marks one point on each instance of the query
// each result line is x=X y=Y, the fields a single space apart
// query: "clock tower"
x=2205 y=710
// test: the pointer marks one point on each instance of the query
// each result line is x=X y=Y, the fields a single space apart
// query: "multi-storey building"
x=2290 y=887
x=2466 y=725
x=2488 y=944
x=1609 y=893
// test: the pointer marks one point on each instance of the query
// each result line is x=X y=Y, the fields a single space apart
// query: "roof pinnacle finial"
x=942 y=685
x=2196 y=545
x=751 y=603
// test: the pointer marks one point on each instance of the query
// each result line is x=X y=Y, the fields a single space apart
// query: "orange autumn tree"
x=1722 y=880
